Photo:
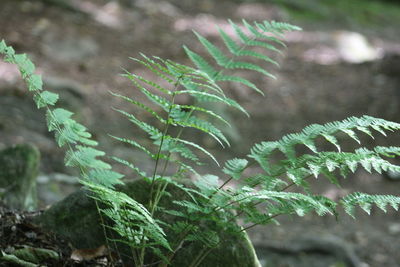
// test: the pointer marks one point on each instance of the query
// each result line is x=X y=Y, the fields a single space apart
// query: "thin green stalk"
x=103 y=227
x=152 y=204
x=199 y=257
x=159 y=152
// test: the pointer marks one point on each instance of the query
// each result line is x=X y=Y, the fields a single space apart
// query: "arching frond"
x=365 y=201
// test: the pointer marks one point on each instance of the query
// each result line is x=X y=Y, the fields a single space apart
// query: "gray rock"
x=18 y=172
x=309 y=251
x=70 y=49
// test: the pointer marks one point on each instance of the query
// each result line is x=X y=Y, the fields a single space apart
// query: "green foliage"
x=210 y=207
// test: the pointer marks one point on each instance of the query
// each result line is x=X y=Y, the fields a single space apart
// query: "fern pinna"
x=209 y=207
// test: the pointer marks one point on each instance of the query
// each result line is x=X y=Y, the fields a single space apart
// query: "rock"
x=76 y=219
x=355 y=48
x=54 y=187
x=309 y=251
x=18 y=171
x=394 y=228
x=70 y=48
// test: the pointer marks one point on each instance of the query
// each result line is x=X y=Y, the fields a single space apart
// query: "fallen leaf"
x=88 y=254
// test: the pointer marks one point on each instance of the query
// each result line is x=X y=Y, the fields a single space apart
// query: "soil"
x=83 y=50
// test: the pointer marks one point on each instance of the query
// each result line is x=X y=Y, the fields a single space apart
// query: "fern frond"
x=155 y=70
x=365 y=201
x=134 y=77
x=300 y=203
x=207 y=97
x=141 y=105
x=131 y=166
x=235 y=167
x=207 y=184
x=85 y=157
x=128 y=214
x=158 y=100
x=104 y=177
x=238 y=51
x=45 y=98
x=74 y=135
x=251 y=40
x=257 y=32
x=197 y=147
x=152 y=131
x=266 y=182
x=201 y=63
x=199 y=124
x=136 y=145
x=207 y=237
x=326 y=163
x=200 y=109
x=306 y=137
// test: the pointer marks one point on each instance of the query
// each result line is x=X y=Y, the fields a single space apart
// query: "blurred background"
x=345 y=62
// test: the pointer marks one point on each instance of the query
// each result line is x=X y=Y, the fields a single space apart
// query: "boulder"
x=18 y=172
x=76 y=219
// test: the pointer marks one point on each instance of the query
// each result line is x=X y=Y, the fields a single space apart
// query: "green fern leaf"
x=132 y=77
x=136 y=145
x=153 y=132
x=158 y=72
x=3 y=47
x=201 y=63
x=85 y=157
x=236 y=50
x=25 y=65
x=197 y=147
x=105 y=177
x=207 y=97
x=206 y=111
x=263 y=34
x=45 y=98
x=173 y=146
x=248 y=41
x=365 y=201
x=235 y=167
x=131 y=166
x=141 y=105
x=35 y=83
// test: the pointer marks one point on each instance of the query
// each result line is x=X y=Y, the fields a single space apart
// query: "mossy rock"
x=18 y=172
x=76 y=219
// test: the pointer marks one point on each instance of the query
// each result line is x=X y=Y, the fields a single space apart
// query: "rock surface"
x=18 y=171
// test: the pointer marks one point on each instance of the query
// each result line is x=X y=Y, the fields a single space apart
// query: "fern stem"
x=198 y=258
x=104 y=228
x=255 y=224
x=151 y=206
x=181 y=240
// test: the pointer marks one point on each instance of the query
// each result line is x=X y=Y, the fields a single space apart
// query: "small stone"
x=394 y=228
x=18 y=172
x=9 y=250
x=31 y=235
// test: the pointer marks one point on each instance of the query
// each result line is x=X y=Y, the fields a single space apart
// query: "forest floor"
x=81 y=53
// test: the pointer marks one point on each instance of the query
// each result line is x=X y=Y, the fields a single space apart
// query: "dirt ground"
x=81 y=53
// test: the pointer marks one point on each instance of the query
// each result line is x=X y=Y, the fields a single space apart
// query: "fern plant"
x=211 y=205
